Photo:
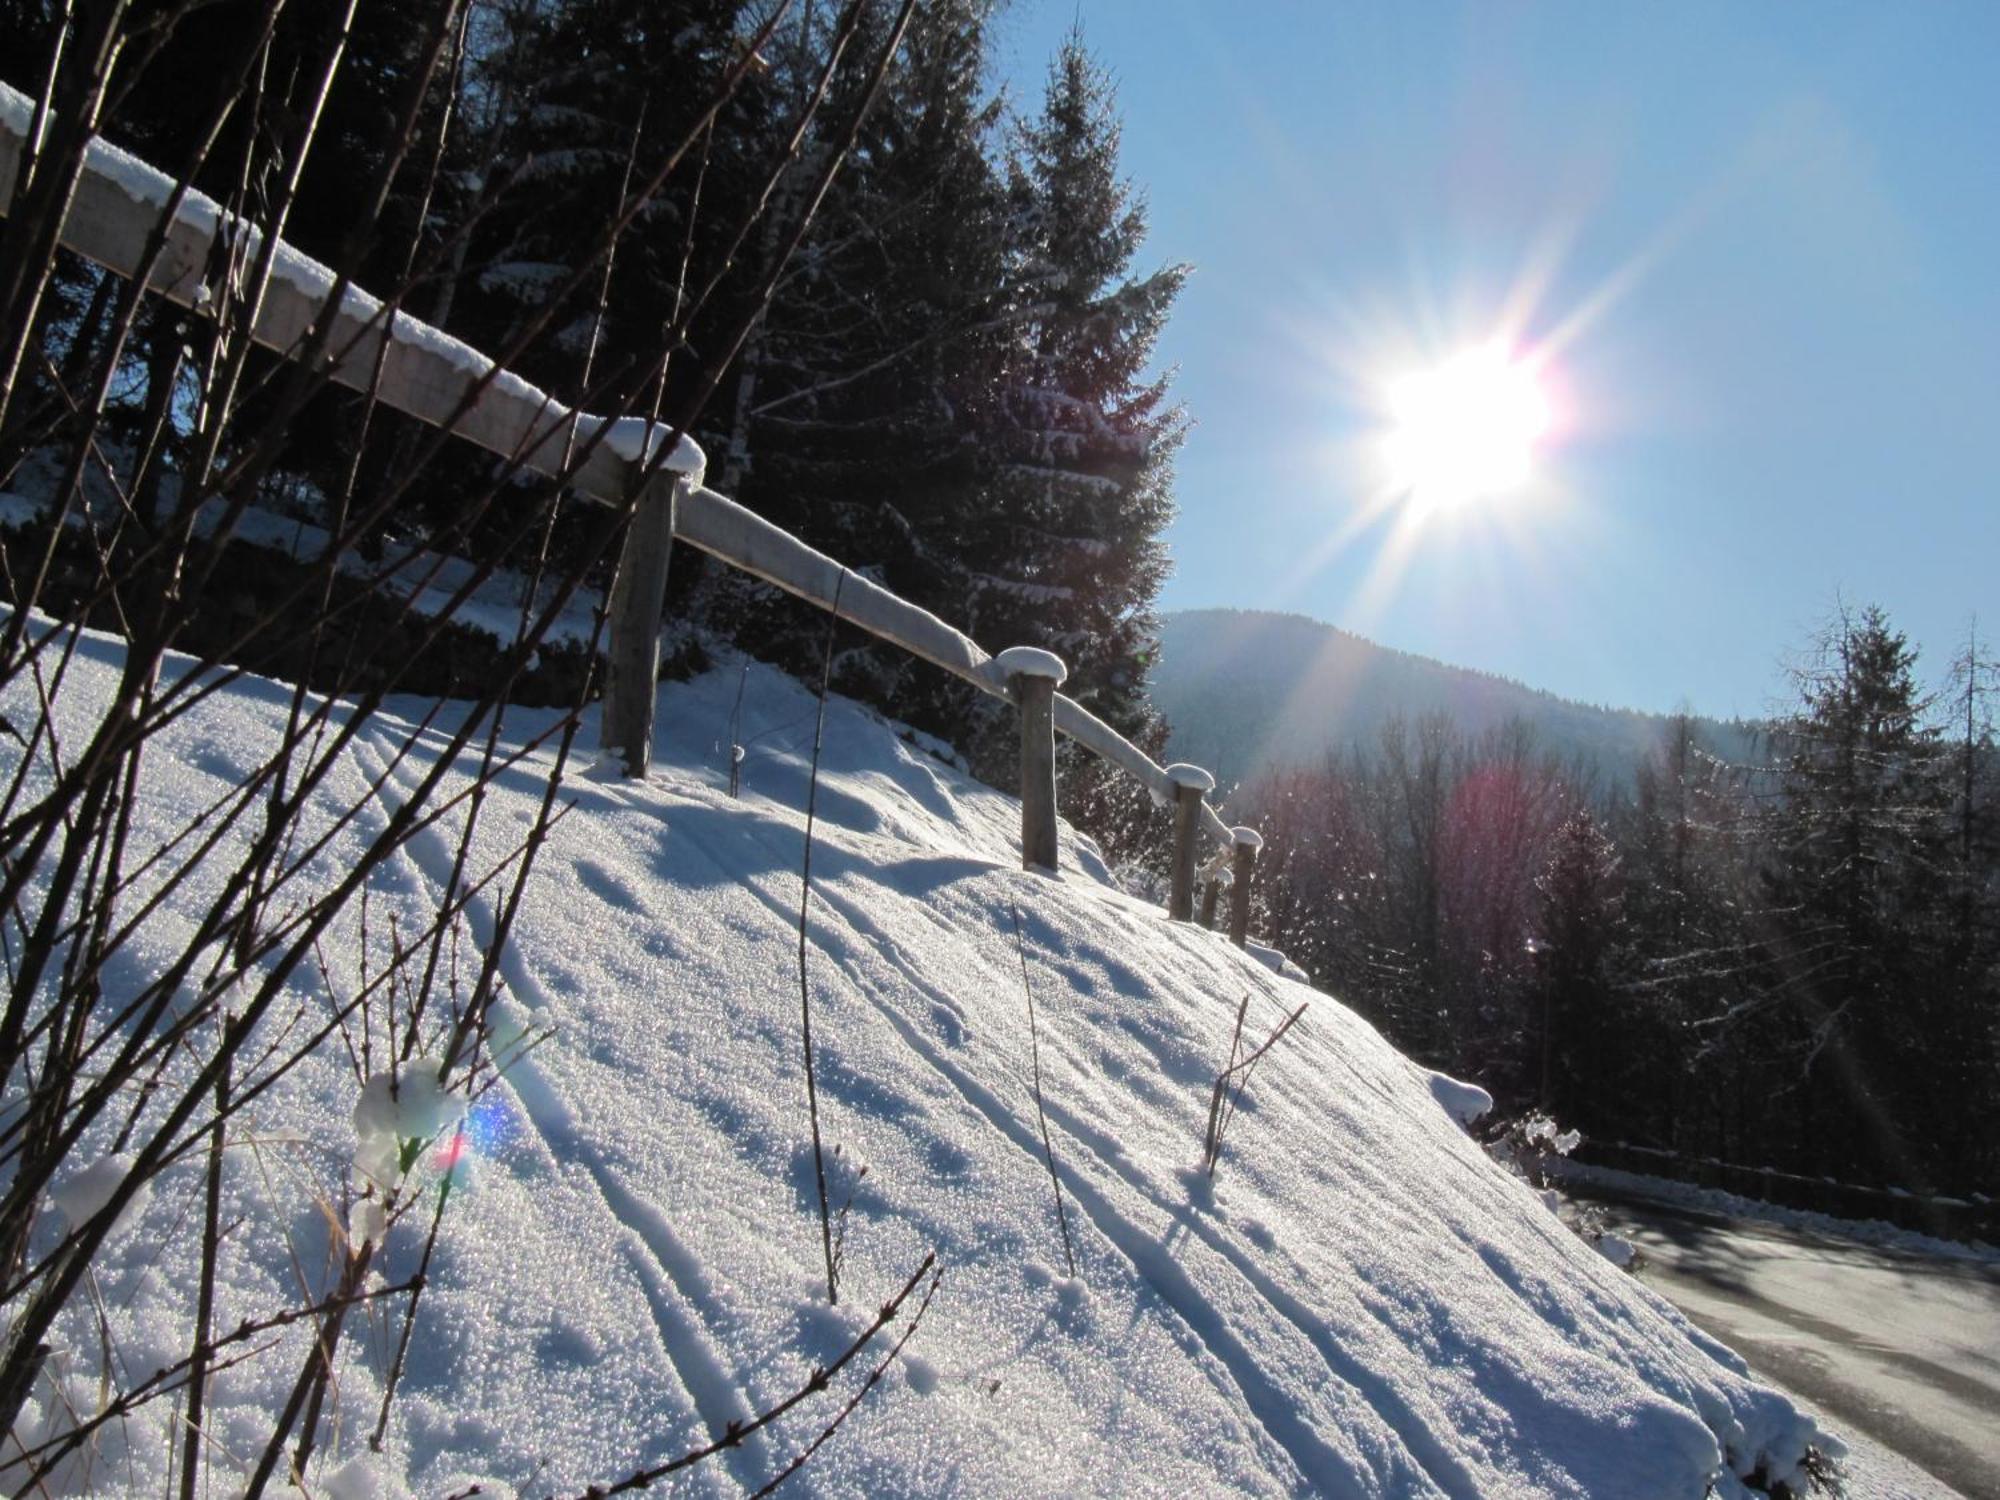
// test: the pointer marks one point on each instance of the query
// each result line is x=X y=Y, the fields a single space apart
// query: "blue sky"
x=1760 y=244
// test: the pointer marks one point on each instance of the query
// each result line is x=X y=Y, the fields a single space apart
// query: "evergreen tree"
x=1066 y=551
x=1855 y=844
x=1687 y=895
x=849 y=419
x=1578 y=938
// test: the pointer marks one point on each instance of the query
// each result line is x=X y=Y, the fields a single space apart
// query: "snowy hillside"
x=1362 y=1303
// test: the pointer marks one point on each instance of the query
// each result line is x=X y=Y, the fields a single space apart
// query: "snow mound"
x=1464 y=1102
x=1361 y=1303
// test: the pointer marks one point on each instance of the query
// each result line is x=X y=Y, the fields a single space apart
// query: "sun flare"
x=1466 y=430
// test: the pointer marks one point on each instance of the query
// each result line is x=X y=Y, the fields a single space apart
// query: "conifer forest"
x=1790 y=963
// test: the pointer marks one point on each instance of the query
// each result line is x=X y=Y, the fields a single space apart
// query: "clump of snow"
x=1615 y=1248
x=921 y=1373
x=1246 y=838
x=1032 y=661
x=1276 y=962
x=1180 y=773
x=367 y=1223
x=639 y=441
x=359 y=1478
x=82 y=1197
x=1542 y=1133
x=1464 y=1102
x=397 y=1113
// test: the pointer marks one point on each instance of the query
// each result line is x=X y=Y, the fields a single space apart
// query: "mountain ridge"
x=1246 y=690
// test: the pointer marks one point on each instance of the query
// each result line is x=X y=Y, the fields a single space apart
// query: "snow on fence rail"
x=121 y=204
x=1975 y=1214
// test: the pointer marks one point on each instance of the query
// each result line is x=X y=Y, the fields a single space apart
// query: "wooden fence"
x=127 y=217
x=1974 y=1216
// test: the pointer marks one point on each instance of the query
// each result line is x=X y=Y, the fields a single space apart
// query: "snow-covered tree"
x=1067 y=552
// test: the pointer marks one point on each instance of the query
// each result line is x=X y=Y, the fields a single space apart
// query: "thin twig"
x=805 y=901
x=734 y=1434
x=1035 y=1053
x=874 y=1378
x=1224 y=1101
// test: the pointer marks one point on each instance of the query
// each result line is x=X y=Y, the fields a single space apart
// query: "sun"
x=1466 y=430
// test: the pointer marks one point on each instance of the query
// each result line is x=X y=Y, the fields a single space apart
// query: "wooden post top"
x=1032 y=661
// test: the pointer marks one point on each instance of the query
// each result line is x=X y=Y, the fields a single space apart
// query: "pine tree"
x=1066 y=553
x=850 y=411
x=1855 y=844
x=1578 y=937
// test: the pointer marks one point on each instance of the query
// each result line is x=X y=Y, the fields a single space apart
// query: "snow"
x=1246 y=838
x=1587 y=1176
x=428 y=580
x=1464 y=1102
x=1276 y=962
x=1361 y=1302
x=1180 y=773
x=1032 y=661
x=397 y=1113
x=81 y=1198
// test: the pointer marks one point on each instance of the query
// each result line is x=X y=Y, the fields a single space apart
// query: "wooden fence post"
x=1247 y=842
x=1211 y=891
x=1191 y=783
x=1033 y=675
x=632 y=665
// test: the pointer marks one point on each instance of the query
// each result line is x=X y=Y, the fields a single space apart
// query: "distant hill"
x=1249 y=689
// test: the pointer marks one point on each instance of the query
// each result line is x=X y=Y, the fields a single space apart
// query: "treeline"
x=1792 y=964
x=944 y=382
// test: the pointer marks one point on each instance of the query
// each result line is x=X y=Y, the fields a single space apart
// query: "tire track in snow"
x=683 y=1298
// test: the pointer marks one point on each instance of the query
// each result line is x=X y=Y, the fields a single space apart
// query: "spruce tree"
x=1067 y=553
x=1855 y=844
x=849 y=416
x=1578 y=938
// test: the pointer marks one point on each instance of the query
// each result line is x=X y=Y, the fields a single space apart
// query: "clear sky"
x=1757 y=245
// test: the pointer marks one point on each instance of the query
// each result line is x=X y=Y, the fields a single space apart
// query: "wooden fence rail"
x=120 y=203
x=1974 y=1215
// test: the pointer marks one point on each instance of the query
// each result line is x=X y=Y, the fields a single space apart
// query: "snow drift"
x=1360 y=1303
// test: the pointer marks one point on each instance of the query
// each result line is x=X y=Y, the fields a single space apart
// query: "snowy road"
x=1904 y=1347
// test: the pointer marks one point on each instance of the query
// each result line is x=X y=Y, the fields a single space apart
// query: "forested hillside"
x=1790 y=962
x=1246 y=691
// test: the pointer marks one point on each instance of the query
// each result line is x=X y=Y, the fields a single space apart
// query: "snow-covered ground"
x=1897 y=1335
x=1361 y=1303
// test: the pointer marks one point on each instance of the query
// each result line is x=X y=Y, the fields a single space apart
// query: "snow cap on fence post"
x=1033 y=675
x=1245 y=842
x=1191 y=784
